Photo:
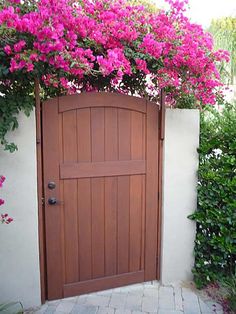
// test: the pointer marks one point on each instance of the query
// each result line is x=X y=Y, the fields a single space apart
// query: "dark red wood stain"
x=101 y=150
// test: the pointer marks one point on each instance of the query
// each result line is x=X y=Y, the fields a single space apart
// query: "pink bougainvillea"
x=77 y=45
x=4 y=218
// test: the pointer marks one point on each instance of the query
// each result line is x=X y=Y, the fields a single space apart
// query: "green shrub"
x=215 y=245
x=229 y=284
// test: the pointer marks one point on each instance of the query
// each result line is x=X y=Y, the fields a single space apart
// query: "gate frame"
x=40 y=182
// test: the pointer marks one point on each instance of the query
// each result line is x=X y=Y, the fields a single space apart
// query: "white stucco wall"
x=19 y=251
x=179 y=194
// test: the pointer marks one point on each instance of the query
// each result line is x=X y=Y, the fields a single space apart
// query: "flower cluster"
x=2 y=179
x=4 y=218
x=108 y=44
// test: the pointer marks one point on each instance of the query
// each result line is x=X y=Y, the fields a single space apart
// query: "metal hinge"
x=43 y=200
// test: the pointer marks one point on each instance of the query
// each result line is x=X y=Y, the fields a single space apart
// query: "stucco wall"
x=19 y=252
x=179 y=194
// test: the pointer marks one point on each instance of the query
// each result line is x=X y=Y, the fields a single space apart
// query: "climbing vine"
x=75 y=46
x=4 y=218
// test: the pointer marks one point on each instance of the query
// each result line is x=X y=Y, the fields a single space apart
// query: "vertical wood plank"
x=135 y=223
x=110 y=226
x=70 y=199
x=123 y=190
x=136 y=194
x=41 y=216
x=84 y=196
x=143 y=221
x=111 y=134
x=61 y=159
x=143 y=195
x=84 y=134
x=98 y=134
x=71 y=231
x=52 y=213
x=151 y=192
x=85 y=229
x=97 y=186
x=111 y=153
x=124 y=129
x=123 y=204
x=137 y=135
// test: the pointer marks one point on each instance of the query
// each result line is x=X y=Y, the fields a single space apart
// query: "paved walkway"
x=135 y=299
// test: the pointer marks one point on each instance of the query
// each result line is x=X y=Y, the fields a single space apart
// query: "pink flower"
x=64 y=82
x=19 y=46
x=5 y=219
x=142 y=66
x=105 y=38
x=30 y=67
x=151 y=46
x=14 y=66
x=2 y=178
x=7 y=49
x=22 y=64
x=9 y=220
x=34 y=57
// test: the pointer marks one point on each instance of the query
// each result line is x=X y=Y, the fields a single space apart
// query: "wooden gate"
x=100 y=157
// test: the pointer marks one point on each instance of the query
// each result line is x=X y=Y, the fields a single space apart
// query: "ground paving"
x=146 y=298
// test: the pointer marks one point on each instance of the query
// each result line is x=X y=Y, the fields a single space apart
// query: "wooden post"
x=40 y=192
x=160 y=179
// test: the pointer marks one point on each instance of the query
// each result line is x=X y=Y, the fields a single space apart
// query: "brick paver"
x=98 y=300
x=146 y=298
x=166 y=298
x=118 y=300
x=190 y=302
x=134 y=302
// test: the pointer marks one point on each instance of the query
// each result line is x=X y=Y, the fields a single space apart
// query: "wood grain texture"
x=151 y=192
x=97 y=188
x=102 y=169
x=61 y=188
x=102 y=99
x=85 y=229
x=84 y=196
x=123 y=216
x=70 y=199
x=41 y=215
x=102 y=283
x=136 y=235
x=52 y=213
x=111 y=155
x=101 y=150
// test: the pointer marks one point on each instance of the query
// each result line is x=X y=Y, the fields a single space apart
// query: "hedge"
x=215 y=245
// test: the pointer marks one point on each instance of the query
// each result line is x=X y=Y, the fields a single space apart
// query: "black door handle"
x=52 y=201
